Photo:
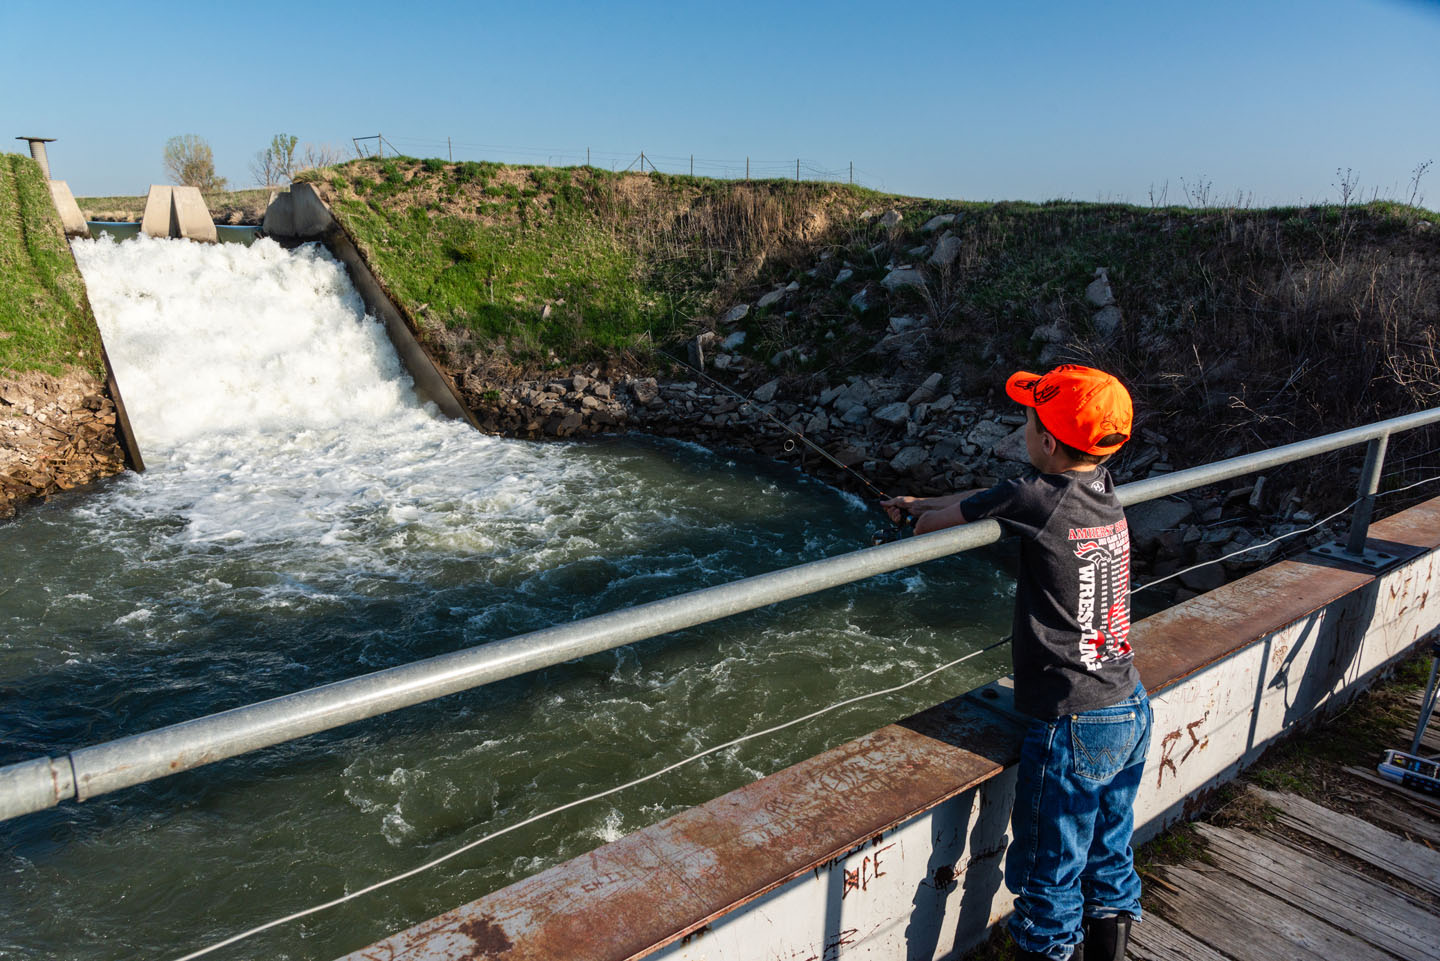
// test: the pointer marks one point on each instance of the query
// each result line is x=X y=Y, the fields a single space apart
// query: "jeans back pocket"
x=1102 y=744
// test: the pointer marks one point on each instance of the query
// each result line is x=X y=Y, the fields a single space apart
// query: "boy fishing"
x=1070 y=865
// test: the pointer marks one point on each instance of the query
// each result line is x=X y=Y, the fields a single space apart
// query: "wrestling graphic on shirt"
x=1104 y=608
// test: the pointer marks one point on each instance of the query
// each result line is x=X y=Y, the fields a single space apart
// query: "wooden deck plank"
x=1429 y=803
x=1404 y=859
x=1343 y=897
x=1221 y=910
x=1155 y=939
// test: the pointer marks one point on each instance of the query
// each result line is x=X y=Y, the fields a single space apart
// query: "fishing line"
x=778 y=422
x=585 y=800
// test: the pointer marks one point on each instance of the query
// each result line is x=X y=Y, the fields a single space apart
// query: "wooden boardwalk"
x=1314 y=885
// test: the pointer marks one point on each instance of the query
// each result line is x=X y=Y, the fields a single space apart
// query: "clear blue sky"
x=969 y=100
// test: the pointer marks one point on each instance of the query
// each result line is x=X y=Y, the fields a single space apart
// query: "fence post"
x=450 y=149
x=852 y=173
x=797 y=170
x=1369 y=484
x=747 y=169
x=380 y=143
x=692 y=165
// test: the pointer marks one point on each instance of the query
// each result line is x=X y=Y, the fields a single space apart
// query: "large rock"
x=844 y=275
x=1099 y=292
x=927 y=391
x=736 y=314
x=946 y=251
x=890 y=218
x=765 y=393
x=771 y=299
x=1152 y=518
x=1107 y=321
x=986 y=434
x=733 y=341
x=908 y=460
x=645 y=390
x=894 y=414
x=903 y=277
x=901 y=324
x=938 y=221
x=1012 y=447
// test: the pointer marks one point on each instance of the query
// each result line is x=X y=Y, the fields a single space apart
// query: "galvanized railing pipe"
x=37 y=784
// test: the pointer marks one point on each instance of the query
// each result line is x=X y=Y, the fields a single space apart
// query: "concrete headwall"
x=178 y=212
x=300 y=214
x=893 y=844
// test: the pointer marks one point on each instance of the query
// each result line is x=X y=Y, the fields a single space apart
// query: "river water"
x=305 y=519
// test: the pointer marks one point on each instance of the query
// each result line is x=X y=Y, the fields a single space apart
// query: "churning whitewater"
x=304 y=519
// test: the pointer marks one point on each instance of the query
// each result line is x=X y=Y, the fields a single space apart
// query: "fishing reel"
x=898 y=529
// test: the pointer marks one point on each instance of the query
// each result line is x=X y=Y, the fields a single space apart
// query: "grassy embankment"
x=567 y=264
x=45 y=319
x=1242 y=327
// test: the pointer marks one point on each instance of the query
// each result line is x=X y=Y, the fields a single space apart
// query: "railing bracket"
x=1377 y=558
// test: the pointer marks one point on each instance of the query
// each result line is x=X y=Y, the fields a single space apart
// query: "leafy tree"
x=189 y=161
x=275 y=165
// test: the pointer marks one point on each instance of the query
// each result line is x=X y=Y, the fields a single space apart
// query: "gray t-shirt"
x=1071 y=649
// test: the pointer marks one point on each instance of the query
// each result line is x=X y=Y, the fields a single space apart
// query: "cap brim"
x=1021 y=387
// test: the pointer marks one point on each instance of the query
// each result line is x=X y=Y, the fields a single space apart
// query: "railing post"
x=1369 y=484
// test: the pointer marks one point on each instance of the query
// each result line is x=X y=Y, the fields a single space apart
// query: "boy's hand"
x=898 y=507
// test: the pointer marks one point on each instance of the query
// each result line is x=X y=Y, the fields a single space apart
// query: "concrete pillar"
x=70 y=216
x=37 y=152
x=191 y=218
x=159 y=218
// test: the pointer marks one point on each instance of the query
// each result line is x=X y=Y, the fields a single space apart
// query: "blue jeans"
x=1074 y=813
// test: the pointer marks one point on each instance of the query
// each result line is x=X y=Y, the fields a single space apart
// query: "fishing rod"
x=880 y=536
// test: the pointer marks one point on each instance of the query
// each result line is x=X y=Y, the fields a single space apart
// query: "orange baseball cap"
x=1079 y=405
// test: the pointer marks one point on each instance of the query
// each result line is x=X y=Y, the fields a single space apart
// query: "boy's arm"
x=930 y=513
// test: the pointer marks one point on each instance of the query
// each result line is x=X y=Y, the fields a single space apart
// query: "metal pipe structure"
x=1369 y=484
x=43 y=782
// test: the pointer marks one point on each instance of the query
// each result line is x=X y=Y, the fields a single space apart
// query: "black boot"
x=1105 y=938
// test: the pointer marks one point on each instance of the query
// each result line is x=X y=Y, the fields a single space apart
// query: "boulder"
x=890 y=218
x=908 y=460
x=1012 y=447
x=1152 y=518
x=771 y=299
x=736 y=314
x=733 y=341
x=1099 y=293
x=903 y=277
x=946 y=251
x=927 y=391
x=793 y=286
x=894 y=414
x=1107 y=321
x=861 y=300
x=844 y=275
x=901 y=324
x=986 y=434
x=938 y=221
x=645 y=390
x=765 y=393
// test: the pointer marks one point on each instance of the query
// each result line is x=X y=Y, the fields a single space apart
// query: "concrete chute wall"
x=300 y=214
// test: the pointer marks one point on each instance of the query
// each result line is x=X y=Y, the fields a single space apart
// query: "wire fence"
x=735 y=168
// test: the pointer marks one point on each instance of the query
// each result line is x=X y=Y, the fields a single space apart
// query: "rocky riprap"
x=908 y=430
x=56 y=433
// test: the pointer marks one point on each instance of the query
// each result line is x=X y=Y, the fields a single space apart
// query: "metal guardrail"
x=44 y=782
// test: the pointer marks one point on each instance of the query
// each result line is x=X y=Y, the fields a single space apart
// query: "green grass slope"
x=567 y=264
x=45 y=320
